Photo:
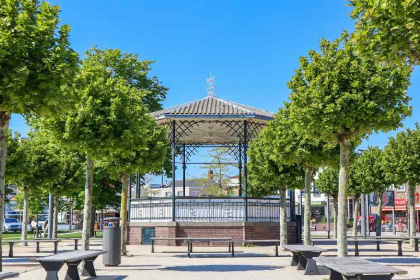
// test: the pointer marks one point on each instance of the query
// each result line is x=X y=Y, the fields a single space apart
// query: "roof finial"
x=211 y=85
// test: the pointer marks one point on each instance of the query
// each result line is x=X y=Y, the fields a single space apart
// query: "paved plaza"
x=207 y=263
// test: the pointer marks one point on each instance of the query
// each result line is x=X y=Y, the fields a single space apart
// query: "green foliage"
x=388 y=29
x=289 y=145
x=38 y=201
x=339 y=95
x=267 y=175
x=36 y=61
x=401 y=157
x=369 y=172
x=327 y=182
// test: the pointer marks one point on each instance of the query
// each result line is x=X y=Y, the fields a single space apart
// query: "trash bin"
x=112 y=242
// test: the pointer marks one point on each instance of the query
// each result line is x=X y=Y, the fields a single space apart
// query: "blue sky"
x=251 y=47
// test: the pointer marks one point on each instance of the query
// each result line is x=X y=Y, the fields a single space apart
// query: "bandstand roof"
x=212 y=120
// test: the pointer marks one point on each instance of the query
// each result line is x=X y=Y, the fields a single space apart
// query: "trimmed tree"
x=388 y=29
x=267 y=177
x=111 y=101
x=291 y=146
x=36 y=63
x=341 y=98
x=401 y=161
x=145 y=152
x=370 y=174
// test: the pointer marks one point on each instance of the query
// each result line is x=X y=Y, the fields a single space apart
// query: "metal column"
x=246 y=170
x=173 y=168
x=328 y=216
x=184 y=167
x=362 y=215
x=394 y=228
x=240 y=169
x=50 y=214
x=129 y=198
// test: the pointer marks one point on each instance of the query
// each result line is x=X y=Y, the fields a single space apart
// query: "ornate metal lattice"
x=182 y=128
x=191 y=150
x=235 y=128
x=253 y=129
x=233 y=150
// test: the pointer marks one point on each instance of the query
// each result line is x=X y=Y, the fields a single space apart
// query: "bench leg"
x=229 y=248
x=310 y=267
x=72 y=272
x=88 y=268
x=356 y=248
x=11 y=249
x=400 y=253
x=233 y=249
x=55 y=247
x=302 y=262
x=277 y=250
x=373 y=277
x=37 y=247
x=295 y=259
x=189 y=249
x=416 y=244
x=76 y=241
x=52 y=269
x=335 y=275
x=153 y=246
x=378 y=247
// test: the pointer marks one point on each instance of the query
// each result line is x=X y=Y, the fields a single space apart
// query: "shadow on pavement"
x=399 y=260
x=221 y=268
x=108 y=277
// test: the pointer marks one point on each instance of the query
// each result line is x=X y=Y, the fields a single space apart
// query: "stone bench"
x=52 y=264
x=37 y=241
x=5 y=275
x=303 y=257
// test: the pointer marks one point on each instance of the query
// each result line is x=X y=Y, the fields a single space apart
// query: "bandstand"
x=206 y=123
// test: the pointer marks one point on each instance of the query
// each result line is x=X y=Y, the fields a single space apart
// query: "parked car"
x=12 y=224
x=41 y=221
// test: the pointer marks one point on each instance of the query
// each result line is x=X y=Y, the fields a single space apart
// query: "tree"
x=267 y=177
x=34 y=165
x=340 y=97
x=327 y=183
x=370 y=174
x=110 y=104
x=401 y=161
x=388 y=29
x=291 y=146
x=145 y=152
x=220 y=161
x=36 y=64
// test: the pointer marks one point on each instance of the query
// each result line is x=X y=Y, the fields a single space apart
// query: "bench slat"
x=351 y=266
x=70 y=256
x=4 y=275
x=304 y=248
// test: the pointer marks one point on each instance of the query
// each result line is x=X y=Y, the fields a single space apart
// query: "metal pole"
x=50 y=214
x=240 y=170
x=173 y=168
x=184 y=167
x=362 y=215
x=367 y=215
x=328 y=216
x=246 y=169
x=129 y=198
x=138 y=195
x=394 y=229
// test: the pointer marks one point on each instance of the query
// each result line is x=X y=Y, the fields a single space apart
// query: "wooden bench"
x=377 y=240
x=37 y=241
x=303 y=257
x=52 y=264
x=191 y=240
x=75 y=240
x=357 y=268
x=5 y=275
x=275 y=242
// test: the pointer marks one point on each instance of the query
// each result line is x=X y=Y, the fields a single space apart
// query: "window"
x=180 y=193
x=168 y=194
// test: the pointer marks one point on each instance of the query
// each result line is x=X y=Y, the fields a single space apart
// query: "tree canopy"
x=388 y=29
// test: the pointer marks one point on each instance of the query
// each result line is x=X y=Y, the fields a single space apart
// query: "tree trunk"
x=25 y=217
x=123 y=215
x=412 y=212
x=4 y=133
x=88 y=203
x=356 y=214
x=345 y=147
x=283 y=217
x=92 y=221
x=307 y=214
x=335 y=215
x=55 y=217
x=379 y=219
